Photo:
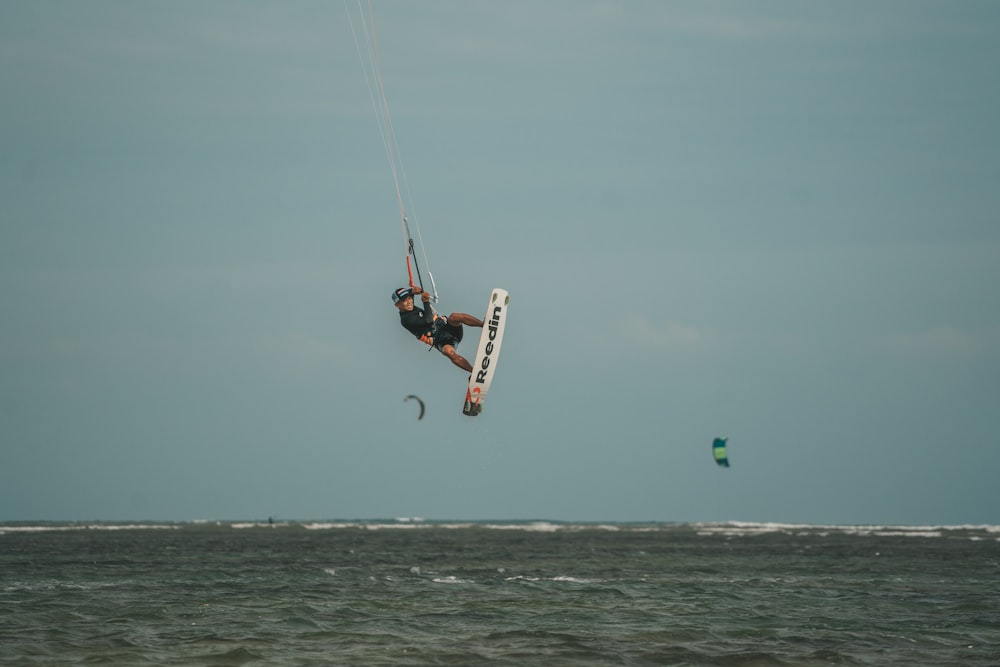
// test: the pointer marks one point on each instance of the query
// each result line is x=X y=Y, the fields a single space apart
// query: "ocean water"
x=413 y=592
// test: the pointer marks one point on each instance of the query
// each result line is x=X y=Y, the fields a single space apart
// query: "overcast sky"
x=775 y=221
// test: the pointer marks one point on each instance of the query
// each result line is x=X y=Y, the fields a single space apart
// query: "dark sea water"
x=518 y=593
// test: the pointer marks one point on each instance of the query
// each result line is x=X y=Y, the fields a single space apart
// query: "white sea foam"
x=381 y=525
x=560 y=578
x=419 y=523
x=534 y=526
x=327 y=525
x=745 y=528
x=89 y=526
x=450 y=580
x=574 y=580
x=720 y=528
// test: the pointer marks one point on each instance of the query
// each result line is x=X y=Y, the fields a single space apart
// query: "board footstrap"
x=472 y=407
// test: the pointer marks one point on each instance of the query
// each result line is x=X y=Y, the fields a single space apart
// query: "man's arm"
x=428 y=308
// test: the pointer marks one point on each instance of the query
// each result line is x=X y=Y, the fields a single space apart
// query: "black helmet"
x=401 y=294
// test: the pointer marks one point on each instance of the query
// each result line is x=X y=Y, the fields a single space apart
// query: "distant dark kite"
x=417 y=399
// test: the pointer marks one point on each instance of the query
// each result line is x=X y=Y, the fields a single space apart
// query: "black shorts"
x=445 y=334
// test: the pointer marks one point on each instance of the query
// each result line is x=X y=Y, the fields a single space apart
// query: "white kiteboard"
x=485 y=364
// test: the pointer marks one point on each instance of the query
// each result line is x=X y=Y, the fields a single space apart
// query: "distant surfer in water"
x=443 y=333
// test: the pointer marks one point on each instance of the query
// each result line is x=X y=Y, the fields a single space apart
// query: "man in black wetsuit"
x=444 y=333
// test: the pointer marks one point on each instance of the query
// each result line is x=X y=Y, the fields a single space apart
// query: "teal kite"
x=719 y=452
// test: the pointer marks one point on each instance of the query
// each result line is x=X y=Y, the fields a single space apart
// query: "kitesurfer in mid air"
x=444 y=333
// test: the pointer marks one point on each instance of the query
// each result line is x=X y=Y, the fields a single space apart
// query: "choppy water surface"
x=425 y=593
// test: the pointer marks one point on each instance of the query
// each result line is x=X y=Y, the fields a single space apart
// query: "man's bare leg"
x=457 y=359
x=464 y=318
